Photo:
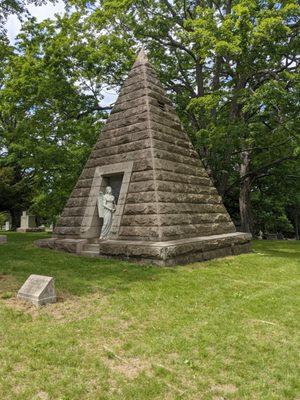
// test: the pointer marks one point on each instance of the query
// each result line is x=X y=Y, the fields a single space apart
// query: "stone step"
x=91 y=247
x=88 y=253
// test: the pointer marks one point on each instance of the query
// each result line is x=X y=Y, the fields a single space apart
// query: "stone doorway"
x=118 y=177
x=115 y=182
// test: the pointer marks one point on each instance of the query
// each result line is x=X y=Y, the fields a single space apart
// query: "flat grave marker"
x=38 y=290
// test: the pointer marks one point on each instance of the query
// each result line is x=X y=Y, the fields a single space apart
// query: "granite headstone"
x=38 y=290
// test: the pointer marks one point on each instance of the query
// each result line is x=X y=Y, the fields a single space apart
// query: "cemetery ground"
x=223 y=329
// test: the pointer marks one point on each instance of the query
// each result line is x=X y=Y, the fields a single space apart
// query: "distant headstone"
x=38 y=290
x=8 y=222
x=3 y=239
x=28 y=224
x=272 y=236
x=27 y=221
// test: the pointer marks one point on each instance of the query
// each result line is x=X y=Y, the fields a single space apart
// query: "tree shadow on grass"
x=279 y=248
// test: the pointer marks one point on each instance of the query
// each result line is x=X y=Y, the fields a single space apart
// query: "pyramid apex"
x=141 y=58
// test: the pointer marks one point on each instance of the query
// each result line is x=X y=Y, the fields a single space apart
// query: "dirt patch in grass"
x=130 y=367
x=41 y=396
x=23 y=306
x=224 y=389
x=67 y=308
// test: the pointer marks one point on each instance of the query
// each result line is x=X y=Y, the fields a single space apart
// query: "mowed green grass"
x=223 y=329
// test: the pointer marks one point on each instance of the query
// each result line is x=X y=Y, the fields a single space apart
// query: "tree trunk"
x=15 y=219
x=297 y=227
x=245 y=190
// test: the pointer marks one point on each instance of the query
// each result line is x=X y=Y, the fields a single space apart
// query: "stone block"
x=68 y=245
x=174 y=148
x=37 y=229
x=38 y=290
x=143 y=208
x=130 y=104
x=174 y=252
x=76 y=202
x=143 y=186
x=180 y=187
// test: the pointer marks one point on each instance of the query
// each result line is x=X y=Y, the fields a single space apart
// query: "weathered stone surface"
x=3 y=239
x=67 y=221
x=37 y=229
x=69 y=231
x=73 y=212
x=143 y=186
x=174 y=148
x=179 y=251
x=130 y=104
x=180 y=187
x=111 y=133
x=67 y=245
x=124 y=138
x=172 y=208
x=161 y=131
x=121 y=157
x=38 y=290
x=173 y=197
x=139 y=232
x=180 y=168
x=76 y=202
x=184 y=178
x=173 y=219
x=178 y=158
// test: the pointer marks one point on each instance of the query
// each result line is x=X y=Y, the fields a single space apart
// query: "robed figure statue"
x=106 y=209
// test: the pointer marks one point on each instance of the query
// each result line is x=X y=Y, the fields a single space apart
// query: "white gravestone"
x=27 y=221
x=3 y=239
x=28 y=224
x=7 y=226
x=38 y=290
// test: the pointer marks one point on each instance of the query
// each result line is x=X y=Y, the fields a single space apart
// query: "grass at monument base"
x=223 y=329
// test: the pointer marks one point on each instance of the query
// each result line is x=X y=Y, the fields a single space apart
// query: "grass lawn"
x=223 y=329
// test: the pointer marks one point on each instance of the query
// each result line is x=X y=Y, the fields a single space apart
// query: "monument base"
x=24 y=230
x=175 y=252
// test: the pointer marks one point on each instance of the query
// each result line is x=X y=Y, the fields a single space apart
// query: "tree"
x=231 y=68
x=45 y=136
x=15 y=7
x=50 y=113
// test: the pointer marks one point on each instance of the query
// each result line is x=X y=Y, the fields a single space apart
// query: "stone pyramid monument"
x=167 y=209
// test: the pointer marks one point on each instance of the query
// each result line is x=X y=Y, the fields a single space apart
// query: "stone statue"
x=106 y=208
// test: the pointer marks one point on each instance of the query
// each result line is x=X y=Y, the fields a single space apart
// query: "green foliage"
x=16 y=7
x=3 y=219
x=231 y=70
x=50 y=113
